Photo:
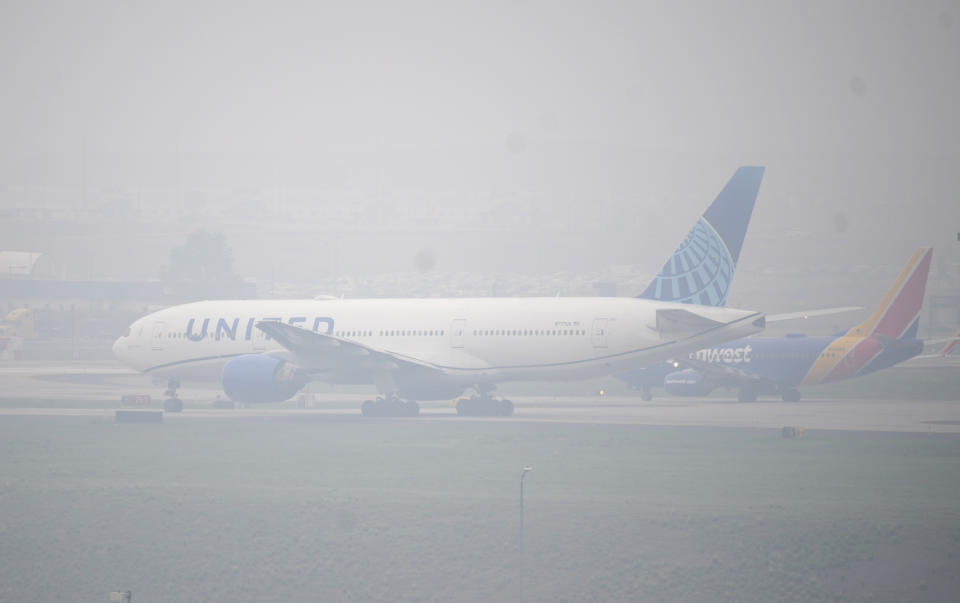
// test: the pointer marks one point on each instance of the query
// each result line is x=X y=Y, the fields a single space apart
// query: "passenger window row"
x=412 y=333
x=528 y=332
x=386 y=333
x=434 y=333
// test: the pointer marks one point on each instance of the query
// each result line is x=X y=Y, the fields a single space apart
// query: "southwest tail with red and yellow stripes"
x=895 y=318
x=901 y=306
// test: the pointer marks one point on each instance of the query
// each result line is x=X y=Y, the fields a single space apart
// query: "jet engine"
x=258 y=378
x=687 y=382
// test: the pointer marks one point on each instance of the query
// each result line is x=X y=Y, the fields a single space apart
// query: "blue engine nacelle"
x=687 y=382
x=258 y=378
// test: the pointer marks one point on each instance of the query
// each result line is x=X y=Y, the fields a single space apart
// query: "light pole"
x=523 y=474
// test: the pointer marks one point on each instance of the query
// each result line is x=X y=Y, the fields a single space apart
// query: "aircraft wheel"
x=173 y=405
x=506 y=408
x=368 y=408
x=393 y=408
x=747 y=395
x=646 y=395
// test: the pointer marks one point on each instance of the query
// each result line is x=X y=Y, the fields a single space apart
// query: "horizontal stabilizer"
x=889 y=343
x=675 y=322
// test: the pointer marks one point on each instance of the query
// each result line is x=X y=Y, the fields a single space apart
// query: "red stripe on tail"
x=905 y=307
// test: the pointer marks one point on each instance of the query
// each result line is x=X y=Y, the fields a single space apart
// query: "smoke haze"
x=351 y=141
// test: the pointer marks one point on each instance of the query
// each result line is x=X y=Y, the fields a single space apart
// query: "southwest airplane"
x=778 y=365
x=433 y=349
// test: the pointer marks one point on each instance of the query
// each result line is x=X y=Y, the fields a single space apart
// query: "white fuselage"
x=481 y=340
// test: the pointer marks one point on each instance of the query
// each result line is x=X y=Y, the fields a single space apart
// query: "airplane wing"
x=890 y=343
x=319 y=352
x=803 y=315
x=679 y=323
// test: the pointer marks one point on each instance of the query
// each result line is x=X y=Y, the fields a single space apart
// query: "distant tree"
x=205 y=257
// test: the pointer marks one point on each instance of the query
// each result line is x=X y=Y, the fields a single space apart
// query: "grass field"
x=339 y=509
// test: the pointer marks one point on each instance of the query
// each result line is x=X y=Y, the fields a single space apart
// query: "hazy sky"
x=852 y=106
x=287 y=78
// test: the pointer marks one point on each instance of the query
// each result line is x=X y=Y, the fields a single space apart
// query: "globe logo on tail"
x=699 y=272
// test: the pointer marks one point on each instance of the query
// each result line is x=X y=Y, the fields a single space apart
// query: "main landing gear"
x=172 y=403
x=390 y=406
x=646 y=394
x=484 y=406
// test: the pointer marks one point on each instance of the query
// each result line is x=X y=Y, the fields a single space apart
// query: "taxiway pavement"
x=55 y=389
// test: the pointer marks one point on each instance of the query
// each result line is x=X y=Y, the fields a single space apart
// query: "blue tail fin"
x=701 y=269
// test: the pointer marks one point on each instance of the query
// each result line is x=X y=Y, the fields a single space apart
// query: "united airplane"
x=433 y=349
x=779 y=365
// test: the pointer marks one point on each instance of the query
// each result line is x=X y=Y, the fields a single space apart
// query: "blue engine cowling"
x=687 y=382
x=258 y=379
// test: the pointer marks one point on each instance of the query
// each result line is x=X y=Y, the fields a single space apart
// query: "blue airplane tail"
x=701 y=269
